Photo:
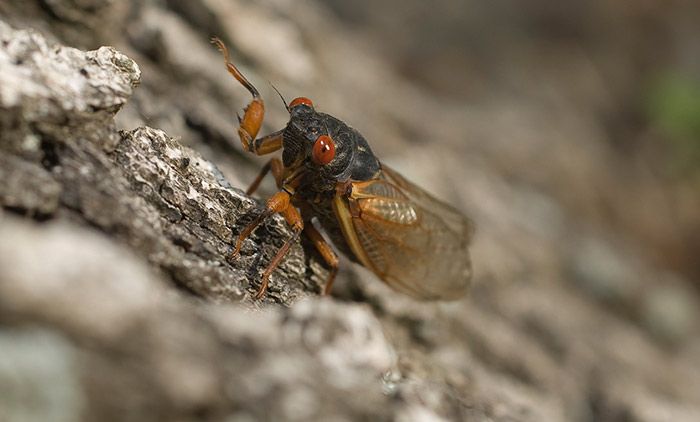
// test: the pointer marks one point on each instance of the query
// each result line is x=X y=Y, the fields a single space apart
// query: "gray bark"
x=63 y=154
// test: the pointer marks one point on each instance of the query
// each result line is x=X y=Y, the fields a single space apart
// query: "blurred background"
x=568 y=131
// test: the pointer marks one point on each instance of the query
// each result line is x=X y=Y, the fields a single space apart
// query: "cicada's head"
x=330 y=151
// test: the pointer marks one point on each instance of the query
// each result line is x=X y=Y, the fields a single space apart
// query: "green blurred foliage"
x=674 y=107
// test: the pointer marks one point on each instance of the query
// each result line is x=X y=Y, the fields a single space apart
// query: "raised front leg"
x=253 y=114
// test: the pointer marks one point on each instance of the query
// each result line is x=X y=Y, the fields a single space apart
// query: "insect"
x=409 y=239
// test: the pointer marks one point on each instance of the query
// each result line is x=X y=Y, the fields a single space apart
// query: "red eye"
x=301 y=100
x=323 y=151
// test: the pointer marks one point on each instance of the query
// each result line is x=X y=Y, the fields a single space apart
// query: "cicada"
x=414 y=242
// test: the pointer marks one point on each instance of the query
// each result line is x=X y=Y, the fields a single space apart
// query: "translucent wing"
x=411 y=240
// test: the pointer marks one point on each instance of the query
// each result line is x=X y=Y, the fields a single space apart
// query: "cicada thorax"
x=319 y=185
x=353 y=159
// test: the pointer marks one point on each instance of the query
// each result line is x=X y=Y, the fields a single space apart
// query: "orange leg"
x=275 y=164
x=278 y=202
x=293 y=219
x=249 y=126
x=253 y=114
x=326 y=252
x=268 y=144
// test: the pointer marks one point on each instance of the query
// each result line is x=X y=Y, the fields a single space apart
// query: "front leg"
x=253 y=114
x=278 y=202
x=293 y=218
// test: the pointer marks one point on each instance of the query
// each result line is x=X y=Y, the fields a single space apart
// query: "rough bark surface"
x=119 y=299
x=173 y=208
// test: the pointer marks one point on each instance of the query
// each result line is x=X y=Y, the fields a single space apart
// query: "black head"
x=329 y=150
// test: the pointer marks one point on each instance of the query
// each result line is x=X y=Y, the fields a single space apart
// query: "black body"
x=353 y=159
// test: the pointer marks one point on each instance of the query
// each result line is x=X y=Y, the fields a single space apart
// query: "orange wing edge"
x=346 y=225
